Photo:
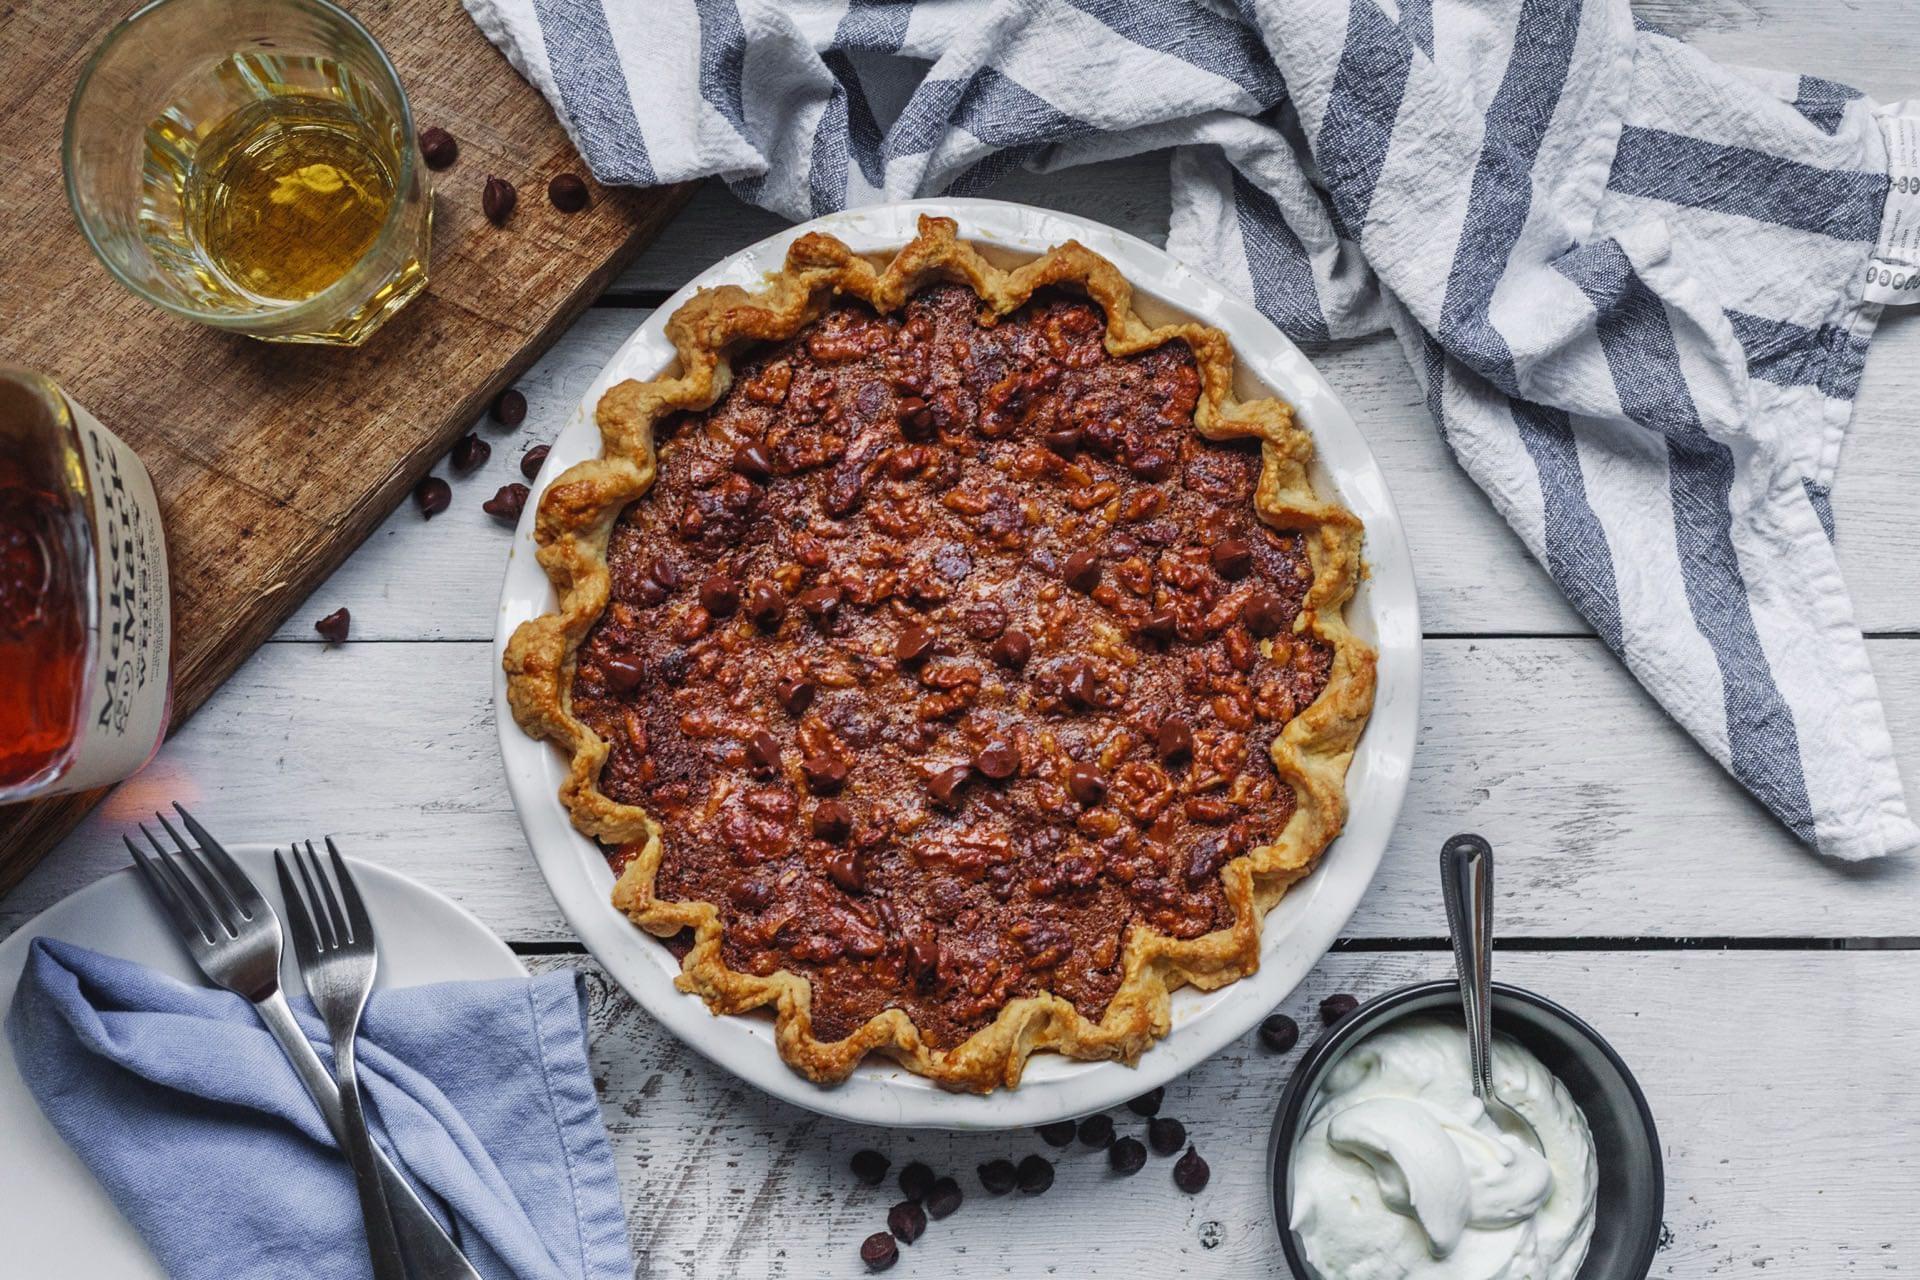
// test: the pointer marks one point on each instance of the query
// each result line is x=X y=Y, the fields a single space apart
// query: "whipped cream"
x=1400 y=1173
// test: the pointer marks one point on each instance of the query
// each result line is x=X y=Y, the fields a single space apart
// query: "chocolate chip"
x=795 y=695
x=832 y=820
x=944 y=784
x=1057 y=1134
x=907 y=1220
x=1127 y=1157
x=1165 y=1135
x=923 y=959
x=432 y=495
x=843 y=868
x=333 y=627
x=1151 y=464
x=1263 y=613
x=1232 y=558
x=531 y=460
x=825 y=774
x=1083 y=687
x=497 y=201
x=763 y=753
x=997 y=1177
x=917 y=421
x=756 y=895
x=985 y=620
x=1096 y=1131
x=508 y=501
x=1035 y=1175
x=1279 y=1033
x=510 y=407
x=1160 y=626
x=913 y=644
x=1012 y=649
x=999 y=760
x=944 y=1198
x=915 y=1181
x=718 y=595
x=822 y=603
x=1174 y=740
x=1086 y=784
x=870 y=1167
x=1065 y=442
x=1336 y=1007
x=469 y=452
x=437 y=147
x=568 y=192
x=1190 y=1173
x=751 y=461
x=879 y=1251
x=1148 y=1103
x=1082 y=571
x=664 y=572
x=623 y=675
x=766 y=605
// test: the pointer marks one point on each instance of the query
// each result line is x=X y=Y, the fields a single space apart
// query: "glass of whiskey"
x=251 y=164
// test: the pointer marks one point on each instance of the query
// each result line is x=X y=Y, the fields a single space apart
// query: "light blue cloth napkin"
x=184 y=1108
x=1636 y=286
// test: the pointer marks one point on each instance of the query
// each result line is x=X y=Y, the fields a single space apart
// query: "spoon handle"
x=1466 y=882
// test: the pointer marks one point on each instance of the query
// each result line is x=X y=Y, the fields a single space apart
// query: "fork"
x=233 y=935
x=337 y=961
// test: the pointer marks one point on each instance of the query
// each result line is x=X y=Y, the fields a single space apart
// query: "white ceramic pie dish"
x=1384 y=612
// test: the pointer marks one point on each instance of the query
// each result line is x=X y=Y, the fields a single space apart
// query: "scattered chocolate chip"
x=1086 y=784
x=507 y=502
x=1336 y=1007
x=766 y=605
x=870 y=1167
x=825 y=774
x=757 y=895
x=333 y=628
x=437 y=147
x=718 y=595
x=997 y=1177
x=497 y=200
x=913 y=644
x=763 y=753
x=531 y=460
x=945 y=784
x=917 y=419
x=1126 y=1157
x=1151 y=464
x=1279 y=1033
x=822 y=603
x=1232 y=558
x=832 y=820
x=1159 y=626
x=469 y=452
x=1065 y=442
x=915 y=1181
x=432 y=495
x=1166 y=1135
x=944 y=1198
x=1190 y=1173
x=795 y=695
x=751 y=461
x=1083 y=687
x=1096 y=1131
x=510 y=408
x=999 y=760
x=1012 y=649
x=1082 y=571
x=1057 y=1134
x=1148 y=1103
x=1035 y=1175
x=879 y=1251
x=907 y=1220
x=568 y=192
x=1263 y=613
x=923 y=958
x=623 y=675
x=843 y=868
x=1174 y=740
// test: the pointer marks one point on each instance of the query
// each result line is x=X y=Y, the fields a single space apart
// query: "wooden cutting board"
x=273 y=462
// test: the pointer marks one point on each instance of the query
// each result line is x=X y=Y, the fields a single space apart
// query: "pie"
x=950 y=662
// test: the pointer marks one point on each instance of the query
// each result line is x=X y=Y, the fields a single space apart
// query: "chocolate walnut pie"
x=950 y=661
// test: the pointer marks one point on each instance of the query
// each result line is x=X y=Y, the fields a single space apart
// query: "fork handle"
x=382 y=1245
x=432 y=1254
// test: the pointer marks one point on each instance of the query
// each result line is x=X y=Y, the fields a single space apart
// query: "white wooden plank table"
x=1765 y=998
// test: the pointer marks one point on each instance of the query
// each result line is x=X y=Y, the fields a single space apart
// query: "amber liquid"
x=43 y=646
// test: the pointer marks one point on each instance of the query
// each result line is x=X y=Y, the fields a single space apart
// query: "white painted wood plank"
x=1610 y=822
x=1775 y=1160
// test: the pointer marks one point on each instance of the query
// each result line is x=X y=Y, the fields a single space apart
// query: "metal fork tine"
x=225 y=905
x=183 y=921
x=357 y=918
x=324 y=937
x=211 y=927
x=337 y=917
x=241 y=885
x=306 y=938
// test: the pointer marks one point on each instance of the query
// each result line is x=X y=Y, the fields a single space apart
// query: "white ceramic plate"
x=1298 y=931
x=54 y=1218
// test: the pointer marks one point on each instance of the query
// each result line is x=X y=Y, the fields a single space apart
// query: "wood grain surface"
x=273 y=462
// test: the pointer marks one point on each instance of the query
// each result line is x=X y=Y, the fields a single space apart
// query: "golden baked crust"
x=1312 y=753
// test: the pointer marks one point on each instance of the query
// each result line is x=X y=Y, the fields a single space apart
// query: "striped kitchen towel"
x=1637 y=287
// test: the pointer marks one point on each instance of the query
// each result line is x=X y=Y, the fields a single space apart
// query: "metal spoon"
x=1466 y=882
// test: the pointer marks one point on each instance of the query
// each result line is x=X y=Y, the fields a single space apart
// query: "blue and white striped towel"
x=1636 y=286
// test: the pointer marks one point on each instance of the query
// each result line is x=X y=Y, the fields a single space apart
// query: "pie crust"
x=1311 y=754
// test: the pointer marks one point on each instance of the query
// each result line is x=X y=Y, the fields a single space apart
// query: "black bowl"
x=1632 y=1187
